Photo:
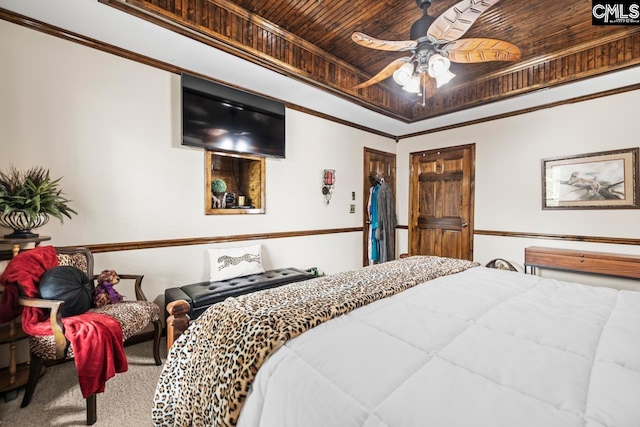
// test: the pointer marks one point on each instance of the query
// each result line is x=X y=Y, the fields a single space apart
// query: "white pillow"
x=227 y=263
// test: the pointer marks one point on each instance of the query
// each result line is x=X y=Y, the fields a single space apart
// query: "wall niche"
x=244 y=177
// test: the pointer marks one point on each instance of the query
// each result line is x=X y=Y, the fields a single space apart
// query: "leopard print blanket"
x=210 y=368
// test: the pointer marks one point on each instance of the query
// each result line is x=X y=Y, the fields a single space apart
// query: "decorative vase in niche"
x=21 y=224
x=218 y=200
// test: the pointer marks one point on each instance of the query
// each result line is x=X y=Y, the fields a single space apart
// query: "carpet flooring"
x=57 y=400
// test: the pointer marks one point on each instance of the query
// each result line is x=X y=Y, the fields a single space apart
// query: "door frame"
x=366 y=185
x=413 y=191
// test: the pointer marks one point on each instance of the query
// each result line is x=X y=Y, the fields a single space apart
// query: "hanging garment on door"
x=368 y=229
x=375 y=243
x=387 y=221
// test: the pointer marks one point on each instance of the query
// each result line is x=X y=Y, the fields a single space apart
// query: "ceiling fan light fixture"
x=438 y=65
x=432 y=41
x=413 y=85
x=402 y=75
x=422 y=68
x=444 y=78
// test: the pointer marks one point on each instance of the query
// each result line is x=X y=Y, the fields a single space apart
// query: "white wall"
x=508 y=175
x=110 y=127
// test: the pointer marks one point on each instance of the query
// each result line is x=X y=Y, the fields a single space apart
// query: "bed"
x=423 y=341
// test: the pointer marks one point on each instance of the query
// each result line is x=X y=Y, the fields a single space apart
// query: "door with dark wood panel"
x=384 y=164
x=441 y=200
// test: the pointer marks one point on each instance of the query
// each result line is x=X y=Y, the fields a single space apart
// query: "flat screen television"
x=219 y=117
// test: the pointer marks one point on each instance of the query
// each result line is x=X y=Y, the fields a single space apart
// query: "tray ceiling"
x=310 y=40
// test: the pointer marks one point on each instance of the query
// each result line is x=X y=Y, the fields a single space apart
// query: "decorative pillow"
x=70 y=285
x=227 y=263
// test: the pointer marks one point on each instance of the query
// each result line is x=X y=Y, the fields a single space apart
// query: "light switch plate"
x=352 y=209
x=353 y=195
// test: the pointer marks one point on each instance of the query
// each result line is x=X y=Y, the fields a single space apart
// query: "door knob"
x=464 y=224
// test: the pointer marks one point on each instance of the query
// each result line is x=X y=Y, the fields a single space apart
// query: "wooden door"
x=384 y=164
x=441 y=200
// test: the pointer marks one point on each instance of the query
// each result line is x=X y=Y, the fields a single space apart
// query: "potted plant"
x=218 y=188
x=28 y=198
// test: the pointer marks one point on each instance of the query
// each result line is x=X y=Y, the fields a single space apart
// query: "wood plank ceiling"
x=311 y=40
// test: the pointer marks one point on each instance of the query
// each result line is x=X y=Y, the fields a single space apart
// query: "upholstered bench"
x=190 y=301
x=202 y=295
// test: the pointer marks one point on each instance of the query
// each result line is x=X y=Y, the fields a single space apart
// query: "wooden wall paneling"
x=105 y=47
x=298 y=39
x=595 y=50
x=583 y=98
x=224 y=32
x=613 y=54
x=256 y=177
x=499 y=83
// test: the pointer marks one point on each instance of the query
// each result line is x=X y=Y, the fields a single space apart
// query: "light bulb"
x=444 y=78
x=413 y=85
x=438 y=65
x=402 y=75
x=227 y=143
x=241 y=145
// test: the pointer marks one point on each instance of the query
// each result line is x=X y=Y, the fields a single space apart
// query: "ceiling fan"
x=434 y=44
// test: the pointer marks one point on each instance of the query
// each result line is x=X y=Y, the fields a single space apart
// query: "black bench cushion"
x=201 y=295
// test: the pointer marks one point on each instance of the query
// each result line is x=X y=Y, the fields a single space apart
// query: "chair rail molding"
x=572 y=238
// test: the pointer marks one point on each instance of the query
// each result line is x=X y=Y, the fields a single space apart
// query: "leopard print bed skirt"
x=210 y=368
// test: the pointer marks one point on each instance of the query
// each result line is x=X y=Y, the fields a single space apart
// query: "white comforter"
x=479 y=348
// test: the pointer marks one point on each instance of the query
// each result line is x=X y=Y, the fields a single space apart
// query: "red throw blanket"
x=97 y=339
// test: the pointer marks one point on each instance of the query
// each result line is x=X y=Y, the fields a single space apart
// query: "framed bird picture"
x=603 y=180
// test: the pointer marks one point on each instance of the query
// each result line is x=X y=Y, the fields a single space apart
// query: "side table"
x=15 y=376
x=17 y=243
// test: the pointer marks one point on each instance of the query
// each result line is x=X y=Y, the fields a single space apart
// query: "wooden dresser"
x=610 y=264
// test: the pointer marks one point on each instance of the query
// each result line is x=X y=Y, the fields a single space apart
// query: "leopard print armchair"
x=133 y=316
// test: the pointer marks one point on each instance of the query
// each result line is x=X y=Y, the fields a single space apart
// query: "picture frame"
x=602 y=180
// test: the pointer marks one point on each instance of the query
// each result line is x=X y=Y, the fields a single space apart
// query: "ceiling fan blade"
x=394 y=46
x=386 y=72
x=481 y=50
x=456 y=20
